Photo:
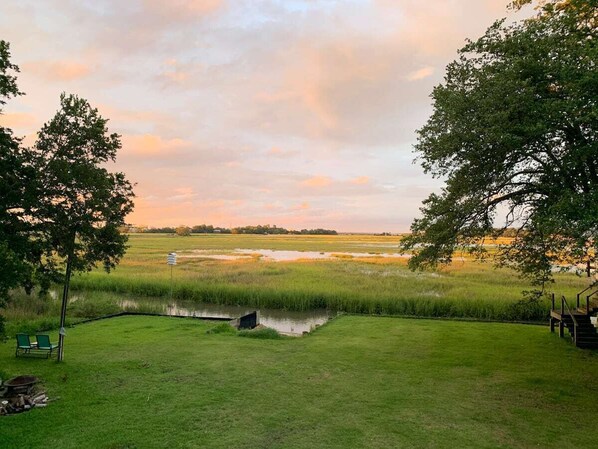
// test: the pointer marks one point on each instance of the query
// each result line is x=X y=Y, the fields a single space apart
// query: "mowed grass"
x=371 y=285
x=139 y=382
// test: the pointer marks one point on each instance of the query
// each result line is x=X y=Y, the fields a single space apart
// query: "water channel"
x=284 y=321
x=279 y=255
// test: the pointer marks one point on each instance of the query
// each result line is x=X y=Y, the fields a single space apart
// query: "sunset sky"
x=299 y=113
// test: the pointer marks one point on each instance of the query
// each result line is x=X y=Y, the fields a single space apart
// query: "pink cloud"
x=301 y=206
x=360 y=180
x=153 y=146
x=180 y=74
x=180 y=10
x=279 y=153
x=18 y=120
x=244 y=84
x=420 y=74
x=58 y=71
x=317 y=181
x=183 y=194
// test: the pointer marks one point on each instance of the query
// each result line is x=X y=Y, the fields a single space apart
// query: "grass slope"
x=144 y=382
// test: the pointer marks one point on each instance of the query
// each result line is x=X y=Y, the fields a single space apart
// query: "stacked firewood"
x=23 y=402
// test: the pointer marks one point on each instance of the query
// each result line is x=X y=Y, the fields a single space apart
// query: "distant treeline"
x=209 y=229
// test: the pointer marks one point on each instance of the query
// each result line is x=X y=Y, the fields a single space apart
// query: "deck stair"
x=577 y=320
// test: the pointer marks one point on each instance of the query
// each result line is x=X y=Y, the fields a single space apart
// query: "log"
x=39 y=398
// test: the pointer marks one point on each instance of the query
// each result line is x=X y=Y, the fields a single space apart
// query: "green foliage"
x=10 y=171
x=222 y=328
x=81 y=204
x=515 y=126
x=202 y=229
x=16 y=251
x=263 y=333
x=8 y=80
x=257 y=230
x=93 y=307
x=58 y=202
x=267 y=229
x=32 y=325
x=183 y=231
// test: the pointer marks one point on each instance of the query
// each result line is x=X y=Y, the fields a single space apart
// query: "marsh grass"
x=367 y=285
x=359 y=285
x=34 y=313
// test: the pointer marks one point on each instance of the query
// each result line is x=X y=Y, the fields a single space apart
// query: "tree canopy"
x=14 y=175
x=514 y=134
x=80 y=204
x=60 y=207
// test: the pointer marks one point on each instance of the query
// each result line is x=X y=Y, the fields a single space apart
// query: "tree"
x=183 y=231
x=9 y=174
x=13 y=177
x=515 y=126
x=202 y=229
x=80 y=204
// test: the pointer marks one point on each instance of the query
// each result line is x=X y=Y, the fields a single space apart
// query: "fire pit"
x=20 y=394
x=19 y=385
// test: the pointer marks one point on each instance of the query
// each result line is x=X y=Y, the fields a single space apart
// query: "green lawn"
x=145 y=382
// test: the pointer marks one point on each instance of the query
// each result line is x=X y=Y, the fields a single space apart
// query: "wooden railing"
x=565 y=306
x=593 y=286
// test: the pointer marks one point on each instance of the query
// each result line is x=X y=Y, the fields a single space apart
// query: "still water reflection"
x=285 y=322
x=279 y=255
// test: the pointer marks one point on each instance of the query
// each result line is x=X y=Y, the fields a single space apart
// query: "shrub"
x=183 y=231
x=264 y=333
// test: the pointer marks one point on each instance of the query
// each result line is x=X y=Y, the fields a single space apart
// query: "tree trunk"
x=65 y=298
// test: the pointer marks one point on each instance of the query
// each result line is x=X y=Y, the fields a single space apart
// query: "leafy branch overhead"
x=514 y=134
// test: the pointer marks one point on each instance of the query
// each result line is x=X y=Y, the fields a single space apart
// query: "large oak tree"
x=514 y=134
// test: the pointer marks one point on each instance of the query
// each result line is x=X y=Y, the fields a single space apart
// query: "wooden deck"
x=577 y=322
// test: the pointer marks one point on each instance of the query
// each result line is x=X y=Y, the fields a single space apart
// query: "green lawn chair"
x=43 y=344
x=24 y=345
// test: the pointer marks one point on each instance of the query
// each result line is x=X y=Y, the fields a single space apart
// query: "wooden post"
x=561 y=329
x=552 y=325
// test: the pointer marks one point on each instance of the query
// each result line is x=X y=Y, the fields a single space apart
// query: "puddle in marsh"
x=278 y=255
x=285 y=322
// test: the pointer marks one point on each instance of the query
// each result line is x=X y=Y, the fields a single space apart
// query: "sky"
x=296 y=113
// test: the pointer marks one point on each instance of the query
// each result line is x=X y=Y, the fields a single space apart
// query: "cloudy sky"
x=299 y=113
